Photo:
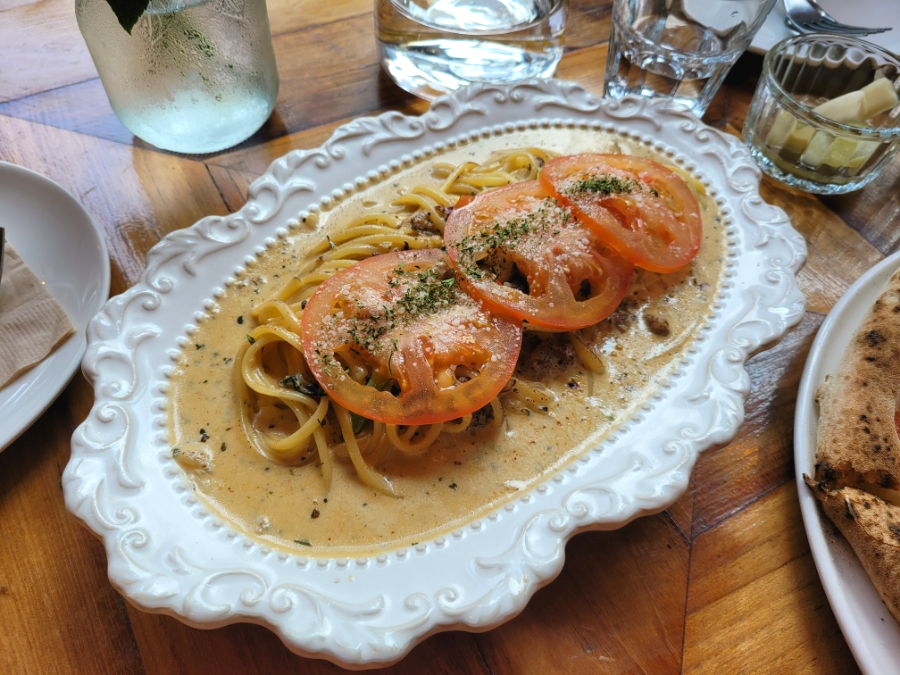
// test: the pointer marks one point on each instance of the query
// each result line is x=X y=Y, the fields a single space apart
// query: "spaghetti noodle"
x=286 y=416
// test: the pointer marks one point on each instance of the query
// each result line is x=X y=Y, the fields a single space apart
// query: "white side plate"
x=60 y=243
x=871 y=632
x=124 y=485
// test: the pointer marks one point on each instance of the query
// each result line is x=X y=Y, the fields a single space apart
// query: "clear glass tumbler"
x=825 y=117
x=194 y=76
x=678 y=49
x=432 y=47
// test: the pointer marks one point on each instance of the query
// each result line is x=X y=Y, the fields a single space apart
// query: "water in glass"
x=681 y=49
x=194 y=76
x=432 y=47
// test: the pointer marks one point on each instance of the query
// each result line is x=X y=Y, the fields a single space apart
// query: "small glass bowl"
x=800 y=147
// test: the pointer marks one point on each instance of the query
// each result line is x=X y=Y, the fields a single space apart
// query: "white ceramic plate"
x=868 y=13
x=60 y=243
x=125 y=486
x=871 y=632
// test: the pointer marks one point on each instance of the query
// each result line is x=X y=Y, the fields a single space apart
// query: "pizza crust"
x=872 y=526
x=857 y=436
x=858 y=447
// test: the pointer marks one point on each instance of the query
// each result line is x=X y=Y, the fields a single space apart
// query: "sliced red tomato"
x=644 y=210
x=402 y=320
x=525 y=254
x=464 y=201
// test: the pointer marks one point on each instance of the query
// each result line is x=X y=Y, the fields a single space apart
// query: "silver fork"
x=807 y=17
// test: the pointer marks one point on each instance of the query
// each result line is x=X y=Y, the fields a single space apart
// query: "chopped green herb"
x=391 y=357
x=302 y=542
x=200 y=40
x=358 y=422
x=483 y=253
x=250 y=339
x=299 y=383
x=426 y=292
x=605 y=185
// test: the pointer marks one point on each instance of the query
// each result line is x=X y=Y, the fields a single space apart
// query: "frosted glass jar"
x=194 y=76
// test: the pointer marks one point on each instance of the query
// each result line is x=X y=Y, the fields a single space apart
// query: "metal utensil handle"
x=2 y=246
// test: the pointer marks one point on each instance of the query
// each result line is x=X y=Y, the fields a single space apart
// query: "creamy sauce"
x=462 y=476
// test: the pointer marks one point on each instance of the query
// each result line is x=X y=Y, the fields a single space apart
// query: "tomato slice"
x=644 y=210
x=403 y=321
x=526 y=255
x=465 y=200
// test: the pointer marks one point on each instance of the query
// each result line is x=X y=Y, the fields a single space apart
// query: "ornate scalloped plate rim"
x=494 y=564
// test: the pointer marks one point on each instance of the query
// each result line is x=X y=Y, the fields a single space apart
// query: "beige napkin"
x=32 y=323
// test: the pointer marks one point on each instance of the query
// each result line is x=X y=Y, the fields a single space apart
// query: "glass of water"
x=432 y=47
x=678 y=49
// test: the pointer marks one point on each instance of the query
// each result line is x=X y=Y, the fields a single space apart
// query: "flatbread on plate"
x=857 y=435
x=858 y=449
x=872 y=526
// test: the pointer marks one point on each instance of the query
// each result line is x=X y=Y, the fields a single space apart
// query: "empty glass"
x=678 y=49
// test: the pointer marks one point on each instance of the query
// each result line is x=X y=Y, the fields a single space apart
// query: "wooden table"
x=721 y=582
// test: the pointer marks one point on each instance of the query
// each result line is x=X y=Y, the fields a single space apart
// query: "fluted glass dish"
x=794 y=143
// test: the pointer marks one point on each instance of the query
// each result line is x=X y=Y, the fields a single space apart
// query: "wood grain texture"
x=720 y=582
x=755 y=604
x=611 y=619
x=313 y=50
x=760 y=458
x=135 y=195
x=40 y=48
x=57 y=607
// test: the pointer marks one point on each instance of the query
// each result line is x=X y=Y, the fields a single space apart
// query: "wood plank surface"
x=40 y=48
x=721 y=582
x=755 y=604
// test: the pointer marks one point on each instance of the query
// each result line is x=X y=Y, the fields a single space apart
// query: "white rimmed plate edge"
x=875 y=642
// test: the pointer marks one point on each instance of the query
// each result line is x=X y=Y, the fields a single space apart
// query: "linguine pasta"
x=285 y=415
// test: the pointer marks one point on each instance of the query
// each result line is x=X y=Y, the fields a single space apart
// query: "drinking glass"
x=432 y=47
x=825 y=117
x=678 y=49
x=194 y=76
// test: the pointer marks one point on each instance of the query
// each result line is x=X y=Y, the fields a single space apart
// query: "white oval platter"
x=65 y=249
x=870 y=630
x=168 y=553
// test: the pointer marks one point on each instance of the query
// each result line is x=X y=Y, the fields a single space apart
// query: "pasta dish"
x=300 y=450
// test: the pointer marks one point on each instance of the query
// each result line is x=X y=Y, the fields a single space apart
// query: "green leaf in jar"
x=128 y=11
